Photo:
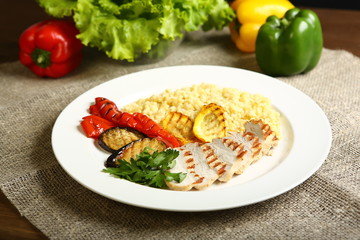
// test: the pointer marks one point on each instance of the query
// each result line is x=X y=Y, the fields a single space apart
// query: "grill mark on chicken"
x=242 y=153
x=249 y=136
x=212 y=159
x=192 y=166
x=267 y=137
x=229 y=150
x=221 y=171
x=256 y=144
x=257 y=153
x=200 y=180
x=187 y=153
x=217 y=164
x=189 y=160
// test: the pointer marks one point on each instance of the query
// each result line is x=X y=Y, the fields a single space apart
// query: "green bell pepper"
x=290 y=45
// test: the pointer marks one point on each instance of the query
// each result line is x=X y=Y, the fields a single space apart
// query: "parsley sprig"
x=149 y=169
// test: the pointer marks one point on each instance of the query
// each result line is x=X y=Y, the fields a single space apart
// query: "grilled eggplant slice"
x=209 y=123
x=116 y=137
x=133 y=149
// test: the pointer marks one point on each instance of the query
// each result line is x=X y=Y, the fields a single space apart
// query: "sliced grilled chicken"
x=206 y=164
x=251 y=145
x=229 y=152
x=223 y=157
x=267 y=138
x=252 y=148
x=185 y=163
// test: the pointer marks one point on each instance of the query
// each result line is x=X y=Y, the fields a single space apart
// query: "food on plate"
x=134 y=148
x=223 y=157
x=250 y=15
x=290 y=45
x=214 y=132
x=94 y=125
x=115 y=138
x=138 y=121
x=149 y=169
x=209 y=123
x=50 y=48
x=239 y=106
x=179 y=125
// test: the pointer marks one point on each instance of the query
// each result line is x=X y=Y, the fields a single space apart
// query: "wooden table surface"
x=341 y=30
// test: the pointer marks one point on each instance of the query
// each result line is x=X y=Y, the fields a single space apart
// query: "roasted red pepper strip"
x=154 y=130
x=137 y=121
x=128 y=120
x=107 y=109
x=93 y=125
x=94 y=110
x=50 y=48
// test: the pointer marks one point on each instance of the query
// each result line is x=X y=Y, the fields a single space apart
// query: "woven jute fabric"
x=325 y=206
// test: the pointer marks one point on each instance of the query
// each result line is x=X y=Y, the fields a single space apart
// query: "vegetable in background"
x=290 y=45
x=50 y=48
x=126 y=29
x=250 y=15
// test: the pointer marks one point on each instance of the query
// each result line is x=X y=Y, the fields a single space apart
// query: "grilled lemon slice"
x=179 y=125
x=209 y=123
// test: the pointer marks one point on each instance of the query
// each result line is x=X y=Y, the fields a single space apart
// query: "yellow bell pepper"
x=250 y=15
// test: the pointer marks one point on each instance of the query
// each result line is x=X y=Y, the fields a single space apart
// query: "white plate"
x=305 y=145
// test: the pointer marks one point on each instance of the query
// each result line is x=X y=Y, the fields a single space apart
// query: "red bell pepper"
x=109 y=111
x=107 y=108
x=93 y=125
x=94 y=110
x=50 y=48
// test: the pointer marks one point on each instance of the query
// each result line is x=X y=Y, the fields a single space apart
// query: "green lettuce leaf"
x=126 y=29
x=58 y=8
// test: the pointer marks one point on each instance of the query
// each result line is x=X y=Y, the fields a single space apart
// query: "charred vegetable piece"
x=154 y=130
x=114 y=138
x=133 y=149
x=137 y=121
x=209 y=123
x=93 y=125
x=180 y=126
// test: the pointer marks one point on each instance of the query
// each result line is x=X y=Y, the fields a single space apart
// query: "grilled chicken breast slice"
x=267 y=137
x=185 y=163
x=229 y=152
x=205 y=161
x=252 y=147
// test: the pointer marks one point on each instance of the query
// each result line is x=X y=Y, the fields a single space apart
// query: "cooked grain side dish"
x=239 y=106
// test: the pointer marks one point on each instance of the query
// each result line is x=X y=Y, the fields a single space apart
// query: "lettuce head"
x=125 y=29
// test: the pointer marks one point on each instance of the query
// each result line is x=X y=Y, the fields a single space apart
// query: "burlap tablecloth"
x=326 y=206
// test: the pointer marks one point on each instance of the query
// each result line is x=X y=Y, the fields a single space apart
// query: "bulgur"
x=239 y=106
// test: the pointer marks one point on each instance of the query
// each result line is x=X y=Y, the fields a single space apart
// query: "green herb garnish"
x=149 y=169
